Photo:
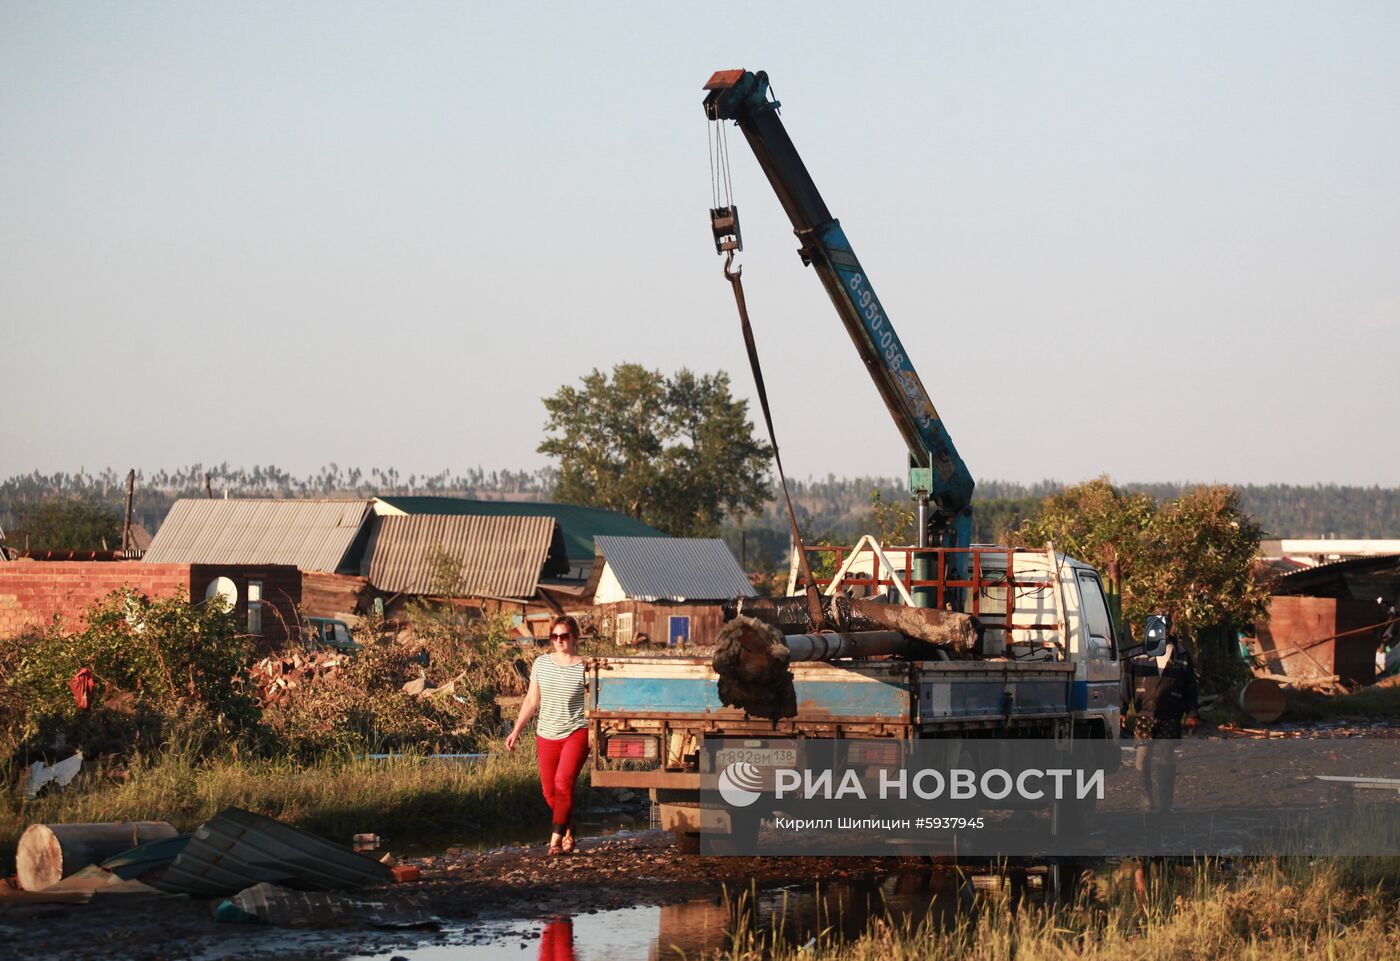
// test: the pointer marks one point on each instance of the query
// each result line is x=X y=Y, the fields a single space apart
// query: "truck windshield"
x=1096 y=616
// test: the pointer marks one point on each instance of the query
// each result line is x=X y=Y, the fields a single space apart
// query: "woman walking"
x=561 y=736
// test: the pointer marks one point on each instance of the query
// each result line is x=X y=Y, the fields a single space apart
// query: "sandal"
x=556 y=847
x=566 y=844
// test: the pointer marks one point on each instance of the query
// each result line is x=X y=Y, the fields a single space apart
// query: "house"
x=670 y=588
x=578 y=525
x=323 y=540
x=494 y=563
x=1330 y=619
x=358 y=556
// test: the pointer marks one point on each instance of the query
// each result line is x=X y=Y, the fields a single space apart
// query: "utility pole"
x=126 y=521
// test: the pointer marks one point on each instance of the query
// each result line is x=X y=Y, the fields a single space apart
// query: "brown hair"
x=567 y=621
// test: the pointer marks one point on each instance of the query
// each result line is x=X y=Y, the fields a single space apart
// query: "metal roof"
x=674 y=568
x=237 y=849
x=500 y=556
x=580 y=525
x=314 y=535
x=1362 y=578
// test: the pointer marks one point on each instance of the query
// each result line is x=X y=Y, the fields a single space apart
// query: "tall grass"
x=336 y=797
x=1285 y=909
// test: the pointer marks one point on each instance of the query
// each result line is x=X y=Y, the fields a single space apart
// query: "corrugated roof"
x=500 y=556
x=237 y=849
x=674 y=568
x=580 y=525
x=314 y=535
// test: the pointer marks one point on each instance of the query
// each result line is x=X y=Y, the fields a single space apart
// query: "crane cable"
x=814 y=603
x=722 y=193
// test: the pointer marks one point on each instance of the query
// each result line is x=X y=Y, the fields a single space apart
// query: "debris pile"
x=264 y=870
x=273 y=679
x=751 y=660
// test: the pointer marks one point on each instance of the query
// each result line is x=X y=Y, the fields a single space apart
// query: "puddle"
x=789 y=915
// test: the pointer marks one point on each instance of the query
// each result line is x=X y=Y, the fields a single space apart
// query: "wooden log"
x=947 y=629
x=50 y=852
x=953 y=632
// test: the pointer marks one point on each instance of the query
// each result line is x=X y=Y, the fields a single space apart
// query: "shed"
x=578 y=525
x=672 y=589
x=501 y=558
x=1331 y=619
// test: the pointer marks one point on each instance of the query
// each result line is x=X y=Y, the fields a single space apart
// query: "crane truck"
x=1046 y=660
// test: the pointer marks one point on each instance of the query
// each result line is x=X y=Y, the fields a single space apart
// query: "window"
x=1096 y=617
x=255 y=604
x=624 y=629
x=679 y=633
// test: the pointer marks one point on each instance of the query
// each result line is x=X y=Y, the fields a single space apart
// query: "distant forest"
x=839 y=509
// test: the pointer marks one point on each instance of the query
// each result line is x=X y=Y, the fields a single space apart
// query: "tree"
x=677 y=453
x=1192 y=557
x=68 y=523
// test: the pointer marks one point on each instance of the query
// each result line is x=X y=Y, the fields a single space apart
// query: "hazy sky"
x=1160 y=241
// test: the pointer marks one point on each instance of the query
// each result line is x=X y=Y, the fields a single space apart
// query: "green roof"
x=579 y=525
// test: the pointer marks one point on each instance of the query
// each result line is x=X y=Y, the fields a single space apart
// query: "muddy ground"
x=467 y=890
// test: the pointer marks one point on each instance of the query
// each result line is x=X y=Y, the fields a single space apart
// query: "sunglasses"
x=565 y=635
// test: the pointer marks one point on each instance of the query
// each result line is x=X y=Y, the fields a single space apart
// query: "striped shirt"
x=561 y=697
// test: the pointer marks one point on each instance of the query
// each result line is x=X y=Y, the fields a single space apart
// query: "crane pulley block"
x=724 y=222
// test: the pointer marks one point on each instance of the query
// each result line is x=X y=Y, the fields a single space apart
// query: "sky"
x=1156 y=241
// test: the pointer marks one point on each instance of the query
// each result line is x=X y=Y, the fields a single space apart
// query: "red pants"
x=560 y=762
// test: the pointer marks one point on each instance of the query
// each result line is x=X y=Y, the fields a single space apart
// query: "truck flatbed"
x=879 y=698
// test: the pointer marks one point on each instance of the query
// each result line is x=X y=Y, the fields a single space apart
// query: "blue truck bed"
x=851 y=697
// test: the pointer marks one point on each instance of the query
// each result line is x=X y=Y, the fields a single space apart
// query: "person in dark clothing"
x=1165 y=697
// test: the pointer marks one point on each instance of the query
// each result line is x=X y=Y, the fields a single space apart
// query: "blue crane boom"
x=937 y=473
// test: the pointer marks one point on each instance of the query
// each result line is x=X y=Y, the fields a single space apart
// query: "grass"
x=1376 y=701
x=1281 y=909
x=1381 y=700
x=406 y=799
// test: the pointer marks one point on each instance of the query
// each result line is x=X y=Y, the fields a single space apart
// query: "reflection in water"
x=759 y=920
x=753 y=921
x=557 y=941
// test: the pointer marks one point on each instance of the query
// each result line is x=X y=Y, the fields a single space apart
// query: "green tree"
x=1192 y=556
x=895 y=522
x=68 y=523
x=677 y=453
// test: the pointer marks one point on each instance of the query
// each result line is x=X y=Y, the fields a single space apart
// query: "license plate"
x=758 y=757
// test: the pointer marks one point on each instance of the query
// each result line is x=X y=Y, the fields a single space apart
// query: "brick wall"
x=281 y=590
x=32 y=592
